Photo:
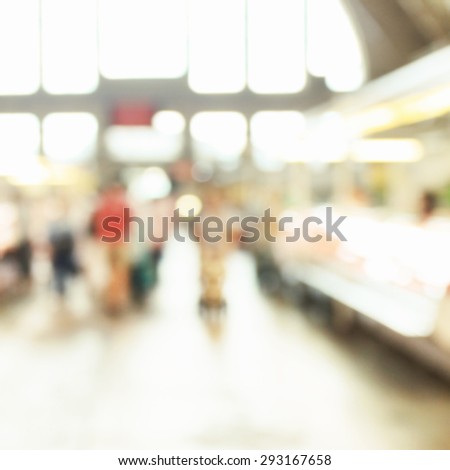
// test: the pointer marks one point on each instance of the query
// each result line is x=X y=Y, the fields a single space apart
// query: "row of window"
x=223 y=45
x=66 y=137
x=217 y=137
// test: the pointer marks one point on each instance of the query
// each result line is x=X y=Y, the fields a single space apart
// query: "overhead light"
x=429 y=105
x=401 y=112
x=143 y=144
x=387 y=150
x=372 y=120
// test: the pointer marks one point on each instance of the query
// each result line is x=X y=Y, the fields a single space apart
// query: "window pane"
x=143 y=38
x=69 y=46
x=347 y=71
x=276 y=46
x=277 y=137
x=219 y=136
x=318 y=26
x=169 y=122
x=19 y=47
x=70 y=137
x=217 y=46
x=334 y=48
x=329 y=140
x=19 y=142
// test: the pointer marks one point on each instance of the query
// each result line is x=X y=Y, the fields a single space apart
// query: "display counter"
x=391 y=274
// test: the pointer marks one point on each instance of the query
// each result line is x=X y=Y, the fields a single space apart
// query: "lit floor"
x=264 y=377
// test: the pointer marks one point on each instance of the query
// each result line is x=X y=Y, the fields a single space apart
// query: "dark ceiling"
x=398 y=31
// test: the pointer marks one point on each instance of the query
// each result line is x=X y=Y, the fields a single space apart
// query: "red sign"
x=133 y=114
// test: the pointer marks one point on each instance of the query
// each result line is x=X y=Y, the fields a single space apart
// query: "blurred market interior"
x=224 y=108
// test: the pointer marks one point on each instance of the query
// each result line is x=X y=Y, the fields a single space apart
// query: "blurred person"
x=212 y=277
x=113 y=203
x=142 y=268
x=142 y=273
x=22 y=255
x=146 y=266
x=23 y=250
x=427 y=206
x=359 y=198
x=213 y=254
x=62 y=250
x=160 y=212
x=19 y=253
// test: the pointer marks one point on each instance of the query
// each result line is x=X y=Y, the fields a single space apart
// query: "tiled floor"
x=260 y=377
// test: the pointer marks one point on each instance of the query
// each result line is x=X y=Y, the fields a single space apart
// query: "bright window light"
x=69 y=46
x=276 y=59
x=143 y=144
x=277 y=137
x=217 y=46
x=19 y=47
x=143 y=38
x=318 y=41
x=19 y=143
x=70 y=137
x=219 y=136
x=169 y=122
x=329 y=142
x=347 y=71
x=334 y=50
